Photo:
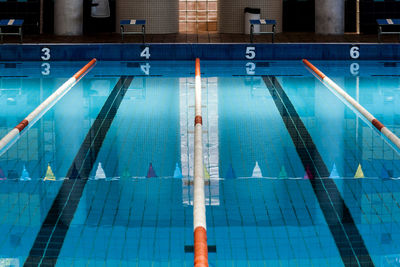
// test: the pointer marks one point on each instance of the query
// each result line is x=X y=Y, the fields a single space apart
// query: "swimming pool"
x=124 y=137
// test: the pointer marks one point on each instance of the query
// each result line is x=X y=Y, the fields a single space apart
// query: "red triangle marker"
x=151 y=172
x=308 y=174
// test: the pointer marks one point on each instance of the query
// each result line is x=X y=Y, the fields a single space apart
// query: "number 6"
x=355 y=52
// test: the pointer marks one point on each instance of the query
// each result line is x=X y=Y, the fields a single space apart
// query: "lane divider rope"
x=35 y=115
x=199 y=208
x=331 y=84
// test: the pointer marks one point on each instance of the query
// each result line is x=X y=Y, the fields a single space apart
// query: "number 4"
x=146 y=53
x=145 y=68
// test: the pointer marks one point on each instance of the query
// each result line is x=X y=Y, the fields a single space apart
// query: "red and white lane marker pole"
x=43 y=107
x=199 y=207
x=331 y=84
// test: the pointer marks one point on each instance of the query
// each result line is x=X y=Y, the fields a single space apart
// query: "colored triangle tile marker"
x=151 y=172
x=24 y=175
x=100 y=174
x=282 y=173
x=74 y=173
x=359 y=172
x=257 y=171
x=206 y=174
x=177 y=171
x=230 y=173
x=308 y=174
x=334 y=173
x=49 y=174
x=12 y=174
x=2 y=175
x=126 y=174
x=384 y=174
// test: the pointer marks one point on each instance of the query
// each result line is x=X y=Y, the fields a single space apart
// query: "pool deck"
x=287 y=37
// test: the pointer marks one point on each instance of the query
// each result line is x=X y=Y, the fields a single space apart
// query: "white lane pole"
x=378 y=125
x=7 y=140
x=199 y=208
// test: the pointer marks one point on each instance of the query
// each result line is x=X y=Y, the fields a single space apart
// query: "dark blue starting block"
x=262 y=22
x=11 y=23
x=388 y=24
x=127 y=22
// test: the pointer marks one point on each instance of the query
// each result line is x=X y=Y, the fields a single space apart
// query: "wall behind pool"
x=137 y=52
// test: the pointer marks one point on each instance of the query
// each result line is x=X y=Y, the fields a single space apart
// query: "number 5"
x=250 y=68
x=250 y=52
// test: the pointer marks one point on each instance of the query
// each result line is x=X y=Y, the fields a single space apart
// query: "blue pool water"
x=281 y=153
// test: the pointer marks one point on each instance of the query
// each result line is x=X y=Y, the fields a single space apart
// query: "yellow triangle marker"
x=206 y=174
x=359 y=172
x=49 y=174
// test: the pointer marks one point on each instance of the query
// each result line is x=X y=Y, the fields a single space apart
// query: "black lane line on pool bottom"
x=49 y=241
x=337 y=215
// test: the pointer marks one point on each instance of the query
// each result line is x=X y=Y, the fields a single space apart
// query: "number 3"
x=46 y=68
x=46 y=53
x=250 y=52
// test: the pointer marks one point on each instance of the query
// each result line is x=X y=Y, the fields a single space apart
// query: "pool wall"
x=135 y=52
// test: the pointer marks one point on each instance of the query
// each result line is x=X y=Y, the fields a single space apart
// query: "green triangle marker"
x=206 y=174
x=282 y=173
x=126 y=174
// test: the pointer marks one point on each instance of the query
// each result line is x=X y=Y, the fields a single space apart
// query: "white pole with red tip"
x=199 y=207
x=331 y=84
x=7 y=140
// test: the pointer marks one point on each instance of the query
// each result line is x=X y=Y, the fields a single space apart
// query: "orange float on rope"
x=197 y=72
x=84 y=69
x=200 y=246
x=311 y=66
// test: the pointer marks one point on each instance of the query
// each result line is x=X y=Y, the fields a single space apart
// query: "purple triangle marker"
x=151 y=172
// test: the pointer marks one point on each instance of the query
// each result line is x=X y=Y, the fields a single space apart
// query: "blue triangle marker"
x=230 y=174
x=384 y=174
x=177 y=172
x=151 y=172
x=334 y=172
x=25 y=175
x=74 y=173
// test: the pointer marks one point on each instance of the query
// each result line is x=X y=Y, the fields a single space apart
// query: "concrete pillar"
x=68 y=17
x=329 y=16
